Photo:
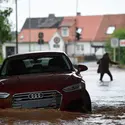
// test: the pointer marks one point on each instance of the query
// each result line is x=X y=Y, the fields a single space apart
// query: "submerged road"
x=105 y=93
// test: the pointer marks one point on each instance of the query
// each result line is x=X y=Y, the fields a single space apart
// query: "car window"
x=4 y=69
x=28 y=62
x=36 y=64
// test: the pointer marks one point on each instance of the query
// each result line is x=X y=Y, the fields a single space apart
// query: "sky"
x=42 y=8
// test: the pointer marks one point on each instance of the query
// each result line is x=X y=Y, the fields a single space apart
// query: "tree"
x=5 y=26
x=120 y=34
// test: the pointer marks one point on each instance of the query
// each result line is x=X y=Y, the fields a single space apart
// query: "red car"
x=43 y=80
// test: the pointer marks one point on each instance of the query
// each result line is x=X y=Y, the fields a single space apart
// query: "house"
x=107 y=26
x=79 y=36
x=29 y=35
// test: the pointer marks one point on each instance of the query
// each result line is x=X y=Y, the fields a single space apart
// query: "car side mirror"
x=82 y=68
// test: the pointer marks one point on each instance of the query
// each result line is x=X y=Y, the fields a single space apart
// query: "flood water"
x=103 y=116
x=108 y=103
x=36 y=116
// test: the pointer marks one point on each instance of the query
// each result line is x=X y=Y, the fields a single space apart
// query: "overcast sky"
x=41 y=8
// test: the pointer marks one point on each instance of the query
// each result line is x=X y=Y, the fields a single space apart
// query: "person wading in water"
x=104 y=66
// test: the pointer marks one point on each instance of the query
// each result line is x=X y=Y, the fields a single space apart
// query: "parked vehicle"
x=43 y=80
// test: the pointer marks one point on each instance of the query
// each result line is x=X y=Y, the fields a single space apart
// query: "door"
x=10 y=50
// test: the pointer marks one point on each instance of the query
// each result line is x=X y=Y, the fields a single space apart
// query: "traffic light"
x=78 y=36
x=40 y=36
x=78 y=33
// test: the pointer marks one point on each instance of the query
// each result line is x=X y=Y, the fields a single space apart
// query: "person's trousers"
x=108 y=72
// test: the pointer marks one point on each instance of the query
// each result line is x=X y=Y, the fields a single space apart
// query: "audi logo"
x=35 y=95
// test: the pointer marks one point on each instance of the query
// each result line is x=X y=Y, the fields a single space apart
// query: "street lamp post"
x=75 y=32
x=16 y=27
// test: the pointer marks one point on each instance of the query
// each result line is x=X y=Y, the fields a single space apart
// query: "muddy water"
x=108 y=102
x=35 y=116
x=99 y=116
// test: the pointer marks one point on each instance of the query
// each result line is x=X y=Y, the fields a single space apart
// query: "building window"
x=78 y=47
x=65 y=31
x=110 y=30
x=82 y=47
x=21 y=37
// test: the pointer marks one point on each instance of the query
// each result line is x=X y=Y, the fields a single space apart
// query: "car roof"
x=36 y=52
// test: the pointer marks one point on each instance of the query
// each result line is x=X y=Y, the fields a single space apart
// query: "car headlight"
x=74 y=87
x=4 y=95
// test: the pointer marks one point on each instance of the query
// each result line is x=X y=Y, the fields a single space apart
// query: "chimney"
x=51 y=15
x=78 y=14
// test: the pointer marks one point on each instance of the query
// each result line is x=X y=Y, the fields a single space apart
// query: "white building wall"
x=23 y=47
x=70 y=49
x=87 y=49
x=84 y=48
x=81 y=48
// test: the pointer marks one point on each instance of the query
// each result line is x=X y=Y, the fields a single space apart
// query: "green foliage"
x=120 y=34
x=1 y=60
x=5 y=27
x=108 y=48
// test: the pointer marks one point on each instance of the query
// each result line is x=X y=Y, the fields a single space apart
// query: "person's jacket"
x=104 y=64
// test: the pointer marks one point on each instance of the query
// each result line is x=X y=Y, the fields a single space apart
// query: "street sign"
x=122 y=43
x=114 y=42
x=56 y=40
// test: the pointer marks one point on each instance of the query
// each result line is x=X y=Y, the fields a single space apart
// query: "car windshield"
x=36 y=64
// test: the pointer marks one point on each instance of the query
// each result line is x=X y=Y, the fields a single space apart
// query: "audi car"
x=43 y=80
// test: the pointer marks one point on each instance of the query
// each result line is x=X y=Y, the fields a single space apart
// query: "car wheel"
x=86 y=106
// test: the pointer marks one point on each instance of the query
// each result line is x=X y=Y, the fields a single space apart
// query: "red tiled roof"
x=48 y=33
x=68 y=21
x=89 y=25
x=94 y=28
x=118 y=21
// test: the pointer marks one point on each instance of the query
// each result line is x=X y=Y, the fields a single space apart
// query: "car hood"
x=37 y=82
